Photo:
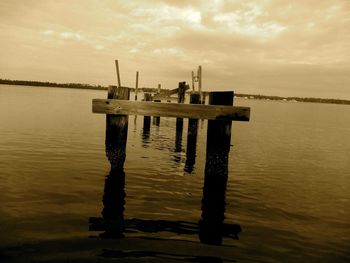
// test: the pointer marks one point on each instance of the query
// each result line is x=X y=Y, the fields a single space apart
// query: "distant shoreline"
x=51 y=84
x=145 y=89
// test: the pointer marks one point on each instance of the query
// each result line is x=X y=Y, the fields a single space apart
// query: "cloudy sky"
x=282 y=47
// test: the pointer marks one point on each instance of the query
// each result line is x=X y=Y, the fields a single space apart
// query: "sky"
x=279 y=47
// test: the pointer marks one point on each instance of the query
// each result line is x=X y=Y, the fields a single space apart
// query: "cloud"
x=71 y=35
x=258 y=44
x=48 y=32
x=64 y=35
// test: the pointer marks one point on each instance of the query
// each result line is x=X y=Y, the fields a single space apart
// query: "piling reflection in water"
x=145 y=138
x=178 y=135
x=113 y=204
x=191 y=145
x=118 y=254
x=210 y=229
x=146 y=131
x=113 y=224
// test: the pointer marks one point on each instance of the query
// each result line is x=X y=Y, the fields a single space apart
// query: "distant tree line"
x=51 y=84
x=64 y=85
x=145 y=89
x=316 y=100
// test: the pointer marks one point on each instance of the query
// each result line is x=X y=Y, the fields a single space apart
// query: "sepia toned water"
x=288 y=186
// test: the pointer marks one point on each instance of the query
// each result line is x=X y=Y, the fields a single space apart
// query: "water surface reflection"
x=210 y=229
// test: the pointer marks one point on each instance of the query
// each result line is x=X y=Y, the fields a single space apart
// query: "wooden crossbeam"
x=167 y=93
x=193 y=111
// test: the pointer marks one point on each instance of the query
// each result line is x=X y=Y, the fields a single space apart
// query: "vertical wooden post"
x=116 y=139
x=181 y=92
x=200 y=81
x=192 y=137
x=117 y=130
x=156 y=119
x=117 y=69
x=204 y=95
x=192 y=80
x=179 y=121
x=136 y=85
x=216 y=173
x=147 y=119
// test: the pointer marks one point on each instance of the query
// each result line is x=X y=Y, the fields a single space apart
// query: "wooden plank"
x=167 y=93
x=211 y=112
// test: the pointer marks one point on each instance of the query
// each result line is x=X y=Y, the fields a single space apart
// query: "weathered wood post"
x=156 y=119
x=136 y=91
x=192 y=137
x=216 y=173
x=199 y=76
x=204 y=95
x=179 y=121
x=117 y=130
x=147 y=119
x=118 y=74
x=193 y=79
x=136 y=85
x=116 y=139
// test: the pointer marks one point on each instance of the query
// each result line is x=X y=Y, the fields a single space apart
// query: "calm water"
x=288 y=185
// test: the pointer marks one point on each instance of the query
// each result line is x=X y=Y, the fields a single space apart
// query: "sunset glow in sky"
x=282 y=47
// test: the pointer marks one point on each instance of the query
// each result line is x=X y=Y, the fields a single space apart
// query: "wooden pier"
x=220 y=114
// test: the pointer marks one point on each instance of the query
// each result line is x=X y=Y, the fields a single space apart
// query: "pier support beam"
x=179 y=121
x=115 y=143
x=156 y=119
x=216 y=173
x=192 y=137
x=147 y=119
x=117 y=130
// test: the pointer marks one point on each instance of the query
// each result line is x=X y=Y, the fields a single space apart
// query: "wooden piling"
x=179 y=121
x=136 y=85
x=192 y=137
x=117 y=130
x=204 y=95
x=118 y=74
x=156 y=119
x=216 y=173
x=115 y=143
x=147 y=119
x=192 y=81
x=199 y=75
